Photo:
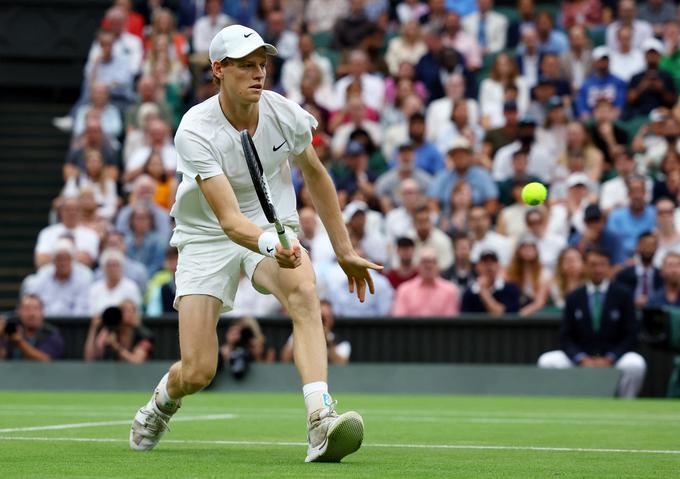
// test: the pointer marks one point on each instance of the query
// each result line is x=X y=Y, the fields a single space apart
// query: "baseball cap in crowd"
x=600 y=53
x=488 y=254
x=65 y=245
x=592 y=212
x=658 y=114
x=111 y=254
x=578 y=178
x=527 y=121
x=510 y=105
x=355 y=148
x=237 y=41
x=652 y=44
x=353 y=208
x=460 y=143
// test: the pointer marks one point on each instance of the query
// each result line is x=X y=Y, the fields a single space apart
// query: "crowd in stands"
x=432 y=117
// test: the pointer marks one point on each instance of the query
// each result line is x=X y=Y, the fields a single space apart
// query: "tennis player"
x=221 y=230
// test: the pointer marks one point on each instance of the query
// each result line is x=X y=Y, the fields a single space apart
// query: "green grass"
x=265 y=436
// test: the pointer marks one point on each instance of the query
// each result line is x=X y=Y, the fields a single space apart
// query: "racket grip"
x=283 y=238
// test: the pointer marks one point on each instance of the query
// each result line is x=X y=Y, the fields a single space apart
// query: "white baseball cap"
x=653 y=44
x=237 y=41
x=600 y=52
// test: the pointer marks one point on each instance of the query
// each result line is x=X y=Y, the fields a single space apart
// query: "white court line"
x=377 y=445
x=79 y=425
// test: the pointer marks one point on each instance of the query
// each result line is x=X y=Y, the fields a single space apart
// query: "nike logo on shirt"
x=276 y=148
x=246 y=36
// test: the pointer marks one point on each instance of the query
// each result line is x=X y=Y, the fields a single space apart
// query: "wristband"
x=267 y=243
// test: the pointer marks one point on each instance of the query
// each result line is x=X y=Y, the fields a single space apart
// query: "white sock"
x=163 y=399
x=316 y=396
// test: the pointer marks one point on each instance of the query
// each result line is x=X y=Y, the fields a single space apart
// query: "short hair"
x=32 y=296
x=646 y=234
x=405 y=242
x=460 y=236
x=421 y=209
x=598 y=251
x=417 y=116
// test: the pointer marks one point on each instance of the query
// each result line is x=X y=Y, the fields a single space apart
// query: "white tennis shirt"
x=208 y=145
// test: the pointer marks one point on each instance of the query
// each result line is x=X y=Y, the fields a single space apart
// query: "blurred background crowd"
x=432 y=117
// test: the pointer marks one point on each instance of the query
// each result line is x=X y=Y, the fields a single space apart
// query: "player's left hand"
x=356 y=268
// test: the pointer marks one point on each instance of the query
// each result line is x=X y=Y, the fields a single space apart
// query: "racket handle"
x=283 y=238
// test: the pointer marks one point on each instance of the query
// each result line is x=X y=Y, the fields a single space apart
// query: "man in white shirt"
x=293 y=69
x=372 y=86
x=642 y=30
x=488 y=27
x=484 y=239
x=425 y=234
x=85 y=239
x=209 y=25
x=158 y=140
x=626 y=62
x=114 y=288
x=222 y=230
x=125 y=44
x=541 y=163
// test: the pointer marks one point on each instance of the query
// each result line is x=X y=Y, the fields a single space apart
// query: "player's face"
x=244 y=77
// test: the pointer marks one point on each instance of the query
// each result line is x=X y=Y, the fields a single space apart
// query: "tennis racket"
x=262 y=187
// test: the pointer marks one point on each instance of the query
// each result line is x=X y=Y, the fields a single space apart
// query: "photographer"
x=339 y=350
x=30 y=338
x=244 y=344
x=117 y=335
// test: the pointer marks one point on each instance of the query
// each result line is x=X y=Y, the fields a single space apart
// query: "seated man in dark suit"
x=669 y=293
x=642 y=277
x=490 y=293
x=599 y=327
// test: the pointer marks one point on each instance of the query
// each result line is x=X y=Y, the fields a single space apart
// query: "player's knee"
x=303 y=293
x=197 y=377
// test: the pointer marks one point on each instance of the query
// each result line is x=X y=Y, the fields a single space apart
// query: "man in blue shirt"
x=669 y=294
x=551 y=40
x=595 y=236
x=484 y=189
x=600 y=85
x=428 y=157
x=629 y=222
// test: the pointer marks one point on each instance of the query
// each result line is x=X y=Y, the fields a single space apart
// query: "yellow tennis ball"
x=534 y=193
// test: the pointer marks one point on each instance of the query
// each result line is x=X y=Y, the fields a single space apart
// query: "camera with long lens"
x=112 y=317
x=11 y=327
x=240 y=357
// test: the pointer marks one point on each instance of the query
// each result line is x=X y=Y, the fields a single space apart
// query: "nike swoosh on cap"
x=246 y=36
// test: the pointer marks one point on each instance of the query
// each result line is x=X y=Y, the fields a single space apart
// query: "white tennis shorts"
x=212 y=266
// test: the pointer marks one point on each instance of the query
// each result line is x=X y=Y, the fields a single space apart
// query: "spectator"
x=484 y=239
x=92 y=139
x=455 y=37
x=652 y=87
x=427 y=235
x=599 y=328
x=339 y=349
x=113 y=288
x=510 y=221
x=404 y=95
x=85 y=239
x=488 y=27
x=144 y=191
x=529 y=56
x=132 y=269
x=89 y=217
x=206 y=27
x=276 y=33
x=497 y=138
x=169 y=69
x=614 y=192
x=160 y=292
x=439 y=111
x=578 y=143
x=109 y=66
x=657 y=13
x=549 y=243
x=654 y=140
x=148 y=91
x=429 y=68
x=627 y=61
x=95 y=179
x=540 y=164
x=321 y=15
x=527 y=272
x=459 y=126
x=427 y=294
x=313 y=237
x=427 y=156
x=245 y=343
x=60 y=284
x=462 y=271
x=493 y=91
x=601 y=84
x=166 y=185
x=607 y=136
x=389 y=187
x=484 y=190
x=99 y=106
x=667 y=233
x=628 y=223
x=490 y=293
x=407 y=47
x=293 y=70
x=352 y=30
x=671 y=60
x=405 y=268
x=595 y=235
x=550 y=39
x=125 y=45
x=372 y=241
x=455 y=216
x=576 y=62
x=357 y=178
x=358 y=119
x=372 y=86
x=143 y=243
x=569 y=275
x=163 y=25
x=520 y=163
x=553 y=135
x=669 y=293
x=642 y=277
x=399 y=220
x=566 y=215
x=116 y=334
x=32 y=339
x=642 y=30
x=526 y=11
x=134 y=22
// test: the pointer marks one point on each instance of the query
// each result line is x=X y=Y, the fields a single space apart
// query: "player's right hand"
x=289 y=258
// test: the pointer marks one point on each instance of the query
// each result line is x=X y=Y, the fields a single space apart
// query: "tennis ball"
x=534 y=193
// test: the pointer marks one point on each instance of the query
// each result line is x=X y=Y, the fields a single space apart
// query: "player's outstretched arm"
x=326 y=203
x=222 y=200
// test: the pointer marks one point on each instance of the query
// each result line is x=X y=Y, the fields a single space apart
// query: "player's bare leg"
x=331 y=436
x=198 y=345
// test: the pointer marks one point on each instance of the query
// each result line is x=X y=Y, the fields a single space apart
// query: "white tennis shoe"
x=331 y=436
x=149 y=425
